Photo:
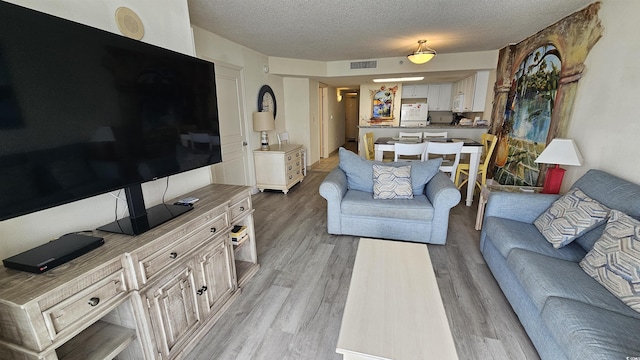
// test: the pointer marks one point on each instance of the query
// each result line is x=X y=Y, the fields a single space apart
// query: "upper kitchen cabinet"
x=474 y=91
x=439 y=97
x=415 y=91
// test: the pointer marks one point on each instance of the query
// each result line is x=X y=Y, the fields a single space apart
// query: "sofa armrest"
x=333 y=188
x=443 y=195
x=518 y=206
x=442 y=192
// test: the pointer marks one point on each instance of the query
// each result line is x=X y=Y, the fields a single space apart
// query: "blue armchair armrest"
x=333 y=189
x=442 y=192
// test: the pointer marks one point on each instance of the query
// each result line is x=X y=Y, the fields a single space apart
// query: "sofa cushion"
x=569 y=217
x=614 y=260
x=360 y=203
x=588 y=239
x=360 y=171
x=543 y=277
x=586 y=332
x=390 y=182
x=506 y=235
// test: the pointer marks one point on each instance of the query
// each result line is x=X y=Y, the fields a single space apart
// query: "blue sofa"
x=352 y=210
x=566 y=313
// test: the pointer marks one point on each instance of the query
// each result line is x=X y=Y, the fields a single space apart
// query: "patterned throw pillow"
x=614 y=260
x=569 y=217
x=391 y=182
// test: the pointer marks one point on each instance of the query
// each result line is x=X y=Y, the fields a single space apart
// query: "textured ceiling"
x=367 y=29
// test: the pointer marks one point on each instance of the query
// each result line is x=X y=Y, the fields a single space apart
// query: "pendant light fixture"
x=423 y=54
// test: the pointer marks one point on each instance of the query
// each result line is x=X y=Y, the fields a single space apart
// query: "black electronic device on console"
x=54 y=253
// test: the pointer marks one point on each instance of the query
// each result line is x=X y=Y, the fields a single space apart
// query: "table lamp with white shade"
x=558 y=152
x=264 y=121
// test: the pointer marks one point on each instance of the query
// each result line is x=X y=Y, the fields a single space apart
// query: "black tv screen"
x=84 y=112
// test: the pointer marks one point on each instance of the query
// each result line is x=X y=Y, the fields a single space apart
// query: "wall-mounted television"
x=85 y=112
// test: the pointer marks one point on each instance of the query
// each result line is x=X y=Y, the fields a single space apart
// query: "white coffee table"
x=394 y=309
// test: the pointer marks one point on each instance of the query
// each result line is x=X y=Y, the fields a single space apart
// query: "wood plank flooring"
x=292 y=308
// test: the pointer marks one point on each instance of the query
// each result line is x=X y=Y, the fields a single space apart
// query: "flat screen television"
x=85 y=112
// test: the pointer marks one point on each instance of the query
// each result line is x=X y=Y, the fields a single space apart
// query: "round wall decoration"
x=267 y=100
x=129 y=23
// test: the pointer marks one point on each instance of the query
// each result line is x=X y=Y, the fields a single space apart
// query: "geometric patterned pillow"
x=391 y=182
x=614 y=260
x=569 y=217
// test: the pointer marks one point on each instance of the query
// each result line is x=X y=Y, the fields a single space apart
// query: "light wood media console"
x=150 y=296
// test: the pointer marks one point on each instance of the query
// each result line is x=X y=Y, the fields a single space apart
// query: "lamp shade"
x=263 y=121
x=561 y=152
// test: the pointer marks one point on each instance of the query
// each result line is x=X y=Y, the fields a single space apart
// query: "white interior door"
x=233 y=136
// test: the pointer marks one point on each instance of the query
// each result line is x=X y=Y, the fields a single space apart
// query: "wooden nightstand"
x=279 y=168
x=493 y=186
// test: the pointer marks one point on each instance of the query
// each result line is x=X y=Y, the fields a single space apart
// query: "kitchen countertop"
x=432 y=126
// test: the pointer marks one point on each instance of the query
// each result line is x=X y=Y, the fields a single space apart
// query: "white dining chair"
x=410 y=135
x=442 y=134
x=409 y=152
x=283 y=137
x=443 y=149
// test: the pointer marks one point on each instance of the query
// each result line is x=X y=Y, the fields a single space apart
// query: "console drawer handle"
x=173 y=255
x=241 y=208
x=213 y=229
x=94 y=301
x=201 y=290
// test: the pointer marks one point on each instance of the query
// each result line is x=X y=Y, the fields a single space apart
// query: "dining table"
x=471 y=147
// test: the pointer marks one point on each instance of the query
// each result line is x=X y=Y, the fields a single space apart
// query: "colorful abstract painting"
x=382 y=101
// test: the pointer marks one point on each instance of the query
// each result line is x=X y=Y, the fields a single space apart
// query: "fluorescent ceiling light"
x=400 y=79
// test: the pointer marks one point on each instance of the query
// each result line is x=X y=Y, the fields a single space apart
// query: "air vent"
x=364 y=64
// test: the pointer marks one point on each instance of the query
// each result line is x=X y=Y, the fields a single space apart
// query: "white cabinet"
x=173 y=309
x=439 y=97
x=150 y=296
x=480 y=91
x=474 y=93
x=185 y=298
x=278 y=168
x=415 y=91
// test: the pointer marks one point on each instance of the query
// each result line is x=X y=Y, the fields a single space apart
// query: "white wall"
x=167 y=26
x=605 y=121
x=297 y=91
x=336 y=120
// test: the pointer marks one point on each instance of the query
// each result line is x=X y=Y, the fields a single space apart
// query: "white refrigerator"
x=414 y=115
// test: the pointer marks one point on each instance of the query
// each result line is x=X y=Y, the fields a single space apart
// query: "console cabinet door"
x=173 y=309
x=217 y=276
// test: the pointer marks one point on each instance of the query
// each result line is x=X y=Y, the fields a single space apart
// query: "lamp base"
x=553 y=180
x=265 y=141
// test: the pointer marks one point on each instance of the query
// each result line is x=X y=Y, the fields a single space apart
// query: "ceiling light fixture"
x=423 y=54
x=399 y=79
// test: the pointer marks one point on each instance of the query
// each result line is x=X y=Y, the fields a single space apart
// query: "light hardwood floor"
x=292 y=308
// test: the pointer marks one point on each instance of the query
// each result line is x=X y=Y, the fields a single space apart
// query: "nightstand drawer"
x=169 y=255
x=84 y=305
